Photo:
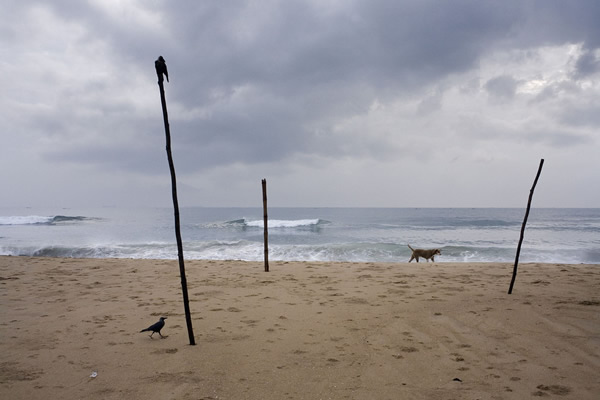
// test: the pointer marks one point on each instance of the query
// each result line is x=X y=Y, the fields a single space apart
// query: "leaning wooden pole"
x=161 y=69
x=265 y=222
x=514 y=276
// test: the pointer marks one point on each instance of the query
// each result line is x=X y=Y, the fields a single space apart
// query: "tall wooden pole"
x=161 y=68
x=265 y=219
x=514 y=276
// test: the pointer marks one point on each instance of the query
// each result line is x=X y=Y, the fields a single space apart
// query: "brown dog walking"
x=425 y=253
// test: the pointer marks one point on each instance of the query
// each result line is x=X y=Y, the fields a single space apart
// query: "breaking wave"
x=40 y=220
x=278 y=223
x=246 y=250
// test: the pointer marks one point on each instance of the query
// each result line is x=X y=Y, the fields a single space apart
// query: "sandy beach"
x=70 y=329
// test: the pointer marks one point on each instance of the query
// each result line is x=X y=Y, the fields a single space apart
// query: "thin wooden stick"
x=266 y=219
x=514 y=276
x=161 y=68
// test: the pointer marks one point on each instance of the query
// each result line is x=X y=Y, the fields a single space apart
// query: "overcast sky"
x=335 y=102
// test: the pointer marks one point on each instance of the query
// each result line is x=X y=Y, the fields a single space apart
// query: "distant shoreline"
x=284 y=262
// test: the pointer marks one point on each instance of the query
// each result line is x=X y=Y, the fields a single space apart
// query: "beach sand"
x=304 y=330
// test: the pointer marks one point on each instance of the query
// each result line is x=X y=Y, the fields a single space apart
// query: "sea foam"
x=25 y=220
x=280 y=223
x=39 y=220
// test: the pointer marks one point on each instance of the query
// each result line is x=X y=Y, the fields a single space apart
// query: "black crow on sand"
x=156 y=327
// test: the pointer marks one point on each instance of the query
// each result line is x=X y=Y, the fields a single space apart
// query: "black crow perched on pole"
x=161 y=68
x=156 y=327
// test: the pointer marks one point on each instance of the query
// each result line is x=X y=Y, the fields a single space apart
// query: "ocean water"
x=305 y=234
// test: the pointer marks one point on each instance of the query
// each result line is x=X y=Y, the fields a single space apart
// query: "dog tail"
x=410 y=247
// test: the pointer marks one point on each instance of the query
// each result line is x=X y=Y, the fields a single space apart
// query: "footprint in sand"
x=165 y=351
x=11 y=371
x=558 y=390
x=409 y=349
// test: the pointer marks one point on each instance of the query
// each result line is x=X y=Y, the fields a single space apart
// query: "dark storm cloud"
x=391 y=47
x=303 y=62
x=308 y=63
x=271 y=82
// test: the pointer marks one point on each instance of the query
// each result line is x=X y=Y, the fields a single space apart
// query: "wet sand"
x=305 y=330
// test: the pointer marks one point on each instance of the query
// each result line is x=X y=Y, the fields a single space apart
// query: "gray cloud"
x=502 y=87
x=271 y=86
x=587 y=64
x=582 y=115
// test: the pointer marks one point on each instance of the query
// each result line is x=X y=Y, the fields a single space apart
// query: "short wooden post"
x=514 y=276
x=266 y=219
